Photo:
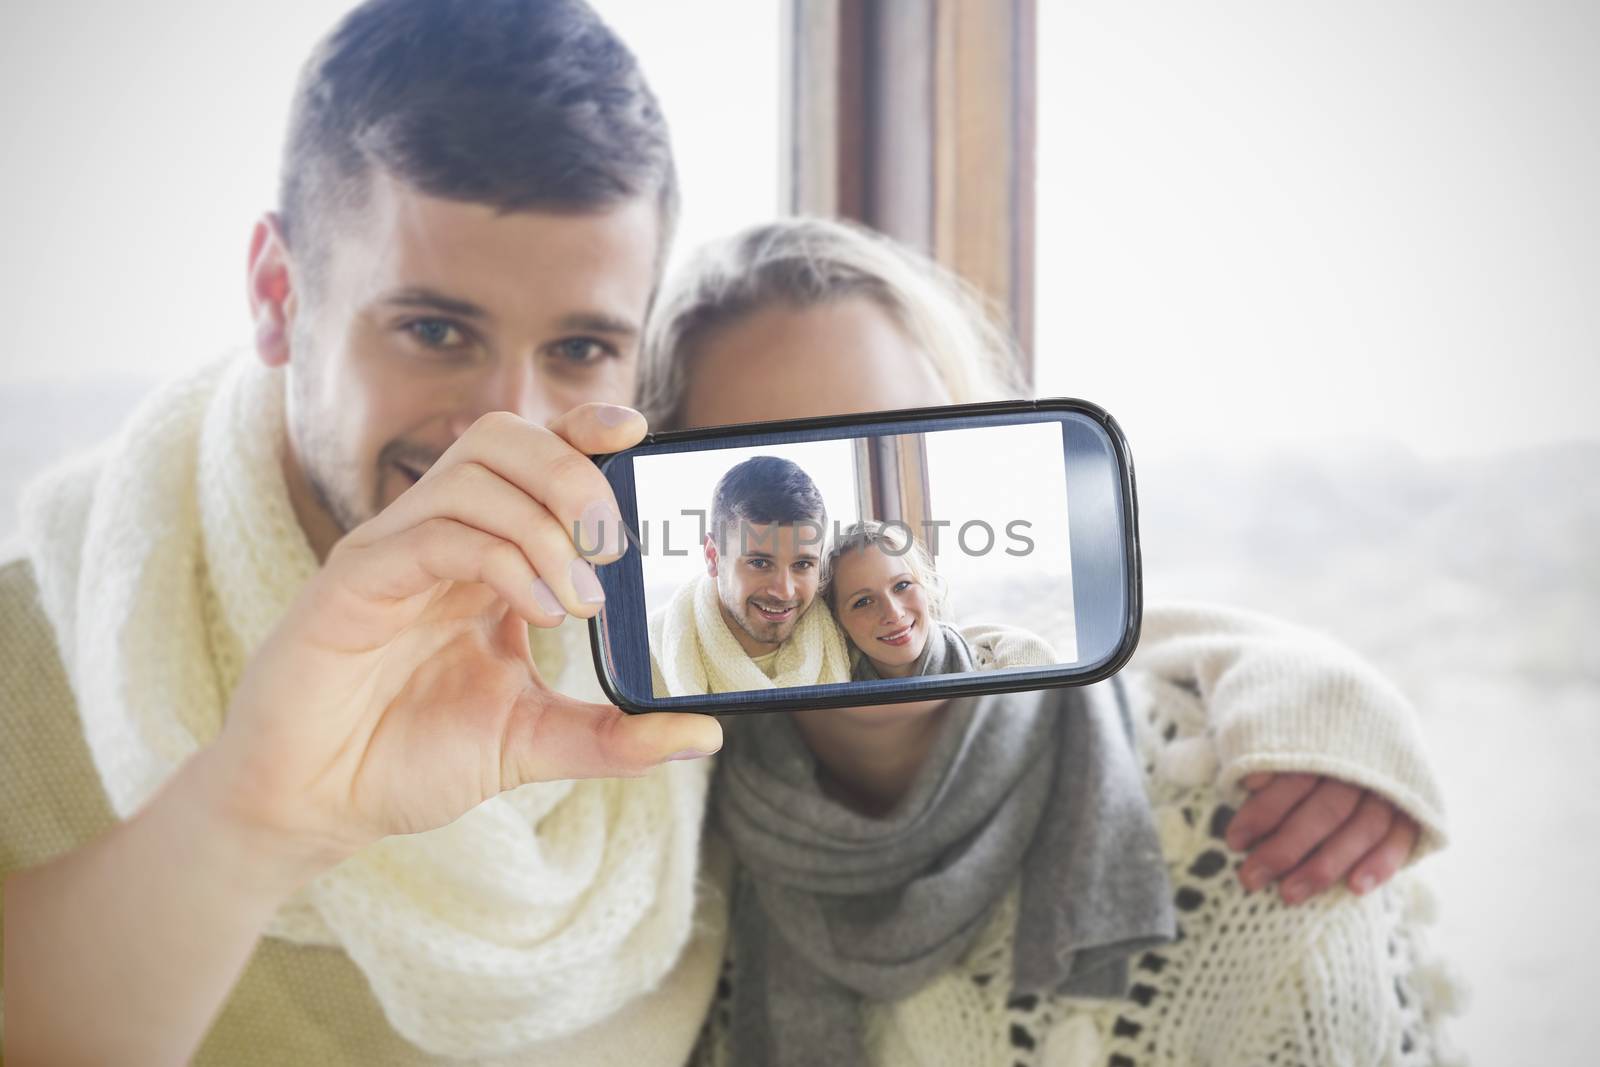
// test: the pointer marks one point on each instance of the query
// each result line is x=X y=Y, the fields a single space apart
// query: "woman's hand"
x=1308 y=832
x=398 y=691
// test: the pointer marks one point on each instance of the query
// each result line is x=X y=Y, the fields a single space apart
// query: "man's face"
x=766 y=578
x=429 y=313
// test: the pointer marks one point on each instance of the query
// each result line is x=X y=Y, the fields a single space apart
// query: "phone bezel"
x=618 y=589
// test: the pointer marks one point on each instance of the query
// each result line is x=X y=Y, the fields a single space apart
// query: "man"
x=767 y=521
x=749 y=621
x=305 y=583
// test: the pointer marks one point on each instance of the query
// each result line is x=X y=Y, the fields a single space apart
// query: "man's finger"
x=476 y=496
x=353 y=608
x=538 y=462
x=1264 y=811
x=1322 y=812
x=557 y=737
x=597 y=428
x=590 y=430
x=1341 y=851
x=1379 y=865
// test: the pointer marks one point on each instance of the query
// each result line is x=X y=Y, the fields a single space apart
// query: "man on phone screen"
x=751 y=621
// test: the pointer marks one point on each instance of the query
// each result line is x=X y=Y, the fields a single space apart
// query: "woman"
x=1005 y=878
x=883 y=589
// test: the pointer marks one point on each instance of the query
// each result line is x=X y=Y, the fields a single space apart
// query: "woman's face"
x=883 y=608
x=839 y=358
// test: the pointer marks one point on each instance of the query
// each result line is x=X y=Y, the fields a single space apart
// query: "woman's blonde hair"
x=893 y=539
x=800 y=262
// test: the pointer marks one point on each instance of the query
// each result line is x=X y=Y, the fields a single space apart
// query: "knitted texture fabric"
x=165 y=559
x=1339 y=980
x=996 y=647
x=293 y=1003
x=692 y=650
x=841 y=907
x=944 y=651
x=1283 y=698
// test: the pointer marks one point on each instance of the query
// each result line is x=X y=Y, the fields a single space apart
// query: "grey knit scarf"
x=944 y=652
x=832 y=907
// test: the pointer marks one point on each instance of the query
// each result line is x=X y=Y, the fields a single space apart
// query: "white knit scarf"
x=695 y=652
x=165 y=559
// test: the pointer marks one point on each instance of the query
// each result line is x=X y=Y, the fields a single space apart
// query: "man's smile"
x=772 y=614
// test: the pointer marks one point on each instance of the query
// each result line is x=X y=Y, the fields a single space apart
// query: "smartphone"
x=870 y=559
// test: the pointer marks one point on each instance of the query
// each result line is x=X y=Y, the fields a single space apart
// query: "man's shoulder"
x=24 y=627
x=31 y=672
x=50 y=795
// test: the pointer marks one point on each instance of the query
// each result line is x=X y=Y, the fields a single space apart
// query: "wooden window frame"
x=916 y=117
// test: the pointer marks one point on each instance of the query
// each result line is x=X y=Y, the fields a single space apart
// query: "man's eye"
x=437 y=333
x=582 y=350
x=806 y=564
x=759 y=564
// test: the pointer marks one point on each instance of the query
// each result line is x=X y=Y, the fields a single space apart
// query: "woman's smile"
x=900 y=637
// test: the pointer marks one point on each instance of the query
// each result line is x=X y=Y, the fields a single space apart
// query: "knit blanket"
x=996 y=646
x=694 y=651
x=1338 y=980
x=166 y=558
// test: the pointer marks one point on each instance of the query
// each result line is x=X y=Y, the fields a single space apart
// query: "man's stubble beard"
x=316 y=449
x=735 y=611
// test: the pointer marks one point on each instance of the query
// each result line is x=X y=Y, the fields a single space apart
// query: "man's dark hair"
x=514 y=104
x=762 y=490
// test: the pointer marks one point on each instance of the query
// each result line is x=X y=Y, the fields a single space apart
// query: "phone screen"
x=867 y=561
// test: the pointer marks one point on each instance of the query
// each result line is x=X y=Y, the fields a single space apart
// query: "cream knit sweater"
x=155 y=568
x=1342 y=980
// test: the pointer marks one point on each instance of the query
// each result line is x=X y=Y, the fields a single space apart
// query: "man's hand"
x=398 y=691
x=1309 y=832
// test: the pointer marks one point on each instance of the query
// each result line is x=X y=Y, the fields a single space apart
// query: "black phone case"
x=933 y=687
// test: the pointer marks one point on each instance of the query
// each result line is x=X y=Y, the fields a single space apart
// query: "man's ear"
x=271 y=290
x=711 y=555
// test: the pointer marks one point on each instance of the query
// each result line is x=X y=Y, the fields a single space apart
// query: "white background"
x=1264 y=221
x=1332 y=264
x=996 y=475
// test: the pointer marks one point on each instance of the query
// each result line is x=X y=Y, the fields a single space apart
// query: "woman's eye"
x=902 y=585
x=861 y=603
x=437 y=333
x=581 y=350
